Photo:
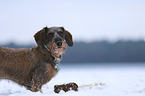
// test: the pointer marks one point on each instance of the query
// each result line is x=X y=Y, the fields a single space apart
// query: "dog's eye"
x=60 y=33
x=50 y=34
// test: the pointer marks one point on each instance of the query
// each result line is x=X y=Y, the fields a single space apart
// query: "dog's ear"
x=40 y=36
x=68 y=38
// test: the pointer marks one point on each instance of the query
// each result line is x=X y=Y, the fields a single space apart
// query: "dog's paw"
x=35 y=89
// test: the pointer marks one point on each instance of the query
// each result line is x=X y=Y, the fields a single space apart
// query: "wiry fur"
x=29 y=67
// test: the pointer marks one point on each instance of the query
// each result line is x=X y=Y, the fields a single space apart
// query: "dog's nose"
x=59 y=43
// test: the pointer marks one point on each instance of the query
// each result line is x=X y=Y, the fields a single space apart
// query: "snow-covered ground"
x=101 y=80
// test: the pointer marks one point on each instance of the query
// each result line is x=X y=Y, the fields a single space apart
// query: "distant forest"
x=102 y=51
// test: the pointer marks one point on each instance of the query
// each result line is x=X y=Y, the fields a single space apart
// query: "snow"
x=93 y=80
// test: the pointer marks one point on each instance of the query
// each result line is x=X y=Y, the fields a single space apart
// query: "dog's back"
x=10 y=56
x=14 y=62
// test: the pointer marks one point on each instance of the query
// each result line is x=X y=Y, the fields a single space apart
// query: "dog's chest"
x=49 y=73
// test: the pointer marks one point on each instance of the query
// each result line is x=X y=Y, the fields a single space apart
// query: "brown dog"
x=36 y=66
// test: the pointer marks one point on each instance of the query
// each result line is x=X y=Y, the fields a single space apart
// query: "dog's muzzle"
x=58 y=49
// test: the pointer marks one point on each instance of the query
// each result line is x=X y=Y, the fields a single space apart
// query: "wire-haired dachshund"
x=35 y=66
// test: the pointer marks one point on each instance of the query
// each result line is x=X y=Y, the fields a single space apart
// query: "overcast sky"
x=87 y=20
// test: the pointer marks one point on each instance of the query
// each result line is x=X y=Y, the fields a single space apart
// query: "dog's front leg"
x=37 y=80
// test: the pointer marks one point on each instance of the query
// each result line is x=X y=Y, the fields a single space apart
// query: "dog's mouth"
x=58 y=51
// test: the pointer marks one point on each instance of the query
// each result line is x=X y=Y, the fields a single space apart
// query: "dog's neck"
x=56 y=60
x=46 y=54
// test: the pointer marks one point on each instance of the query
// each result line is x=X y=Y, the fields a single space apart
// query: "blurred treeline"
x=99 y=51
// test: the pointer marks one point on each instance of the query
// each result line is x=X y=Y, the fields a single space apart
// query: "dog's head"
x=55 y=38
